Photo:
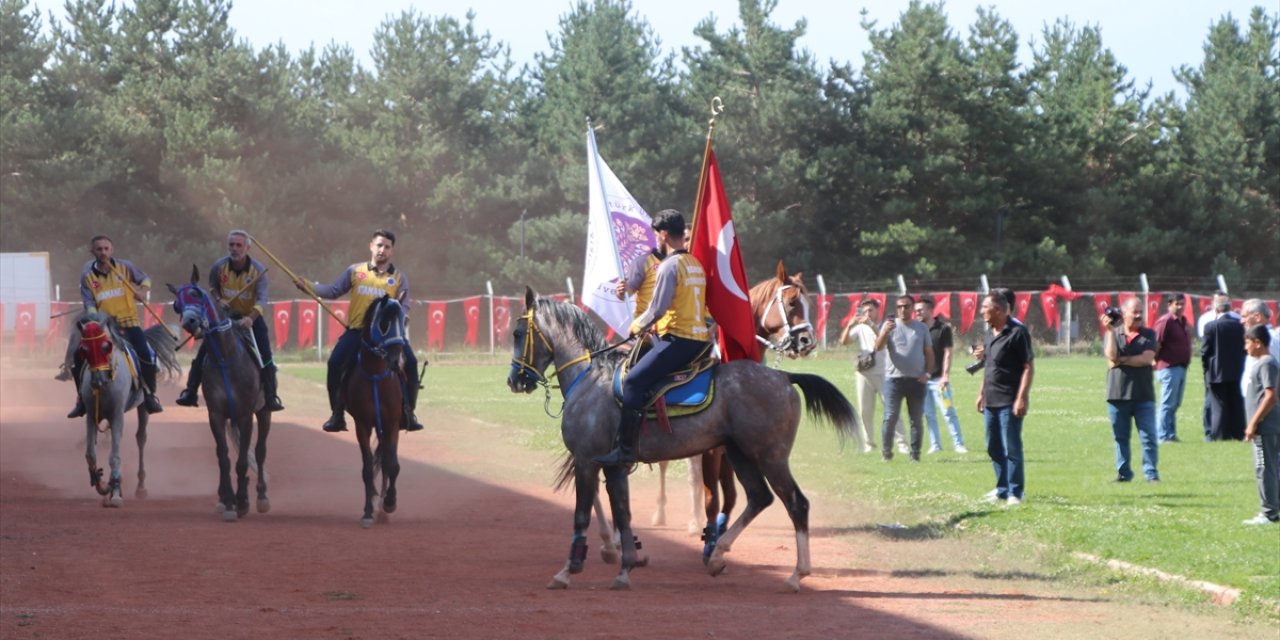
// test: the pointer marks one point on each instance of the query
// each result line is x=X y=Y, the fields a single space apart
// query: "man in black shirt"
x=1003 y=396
x=1131 y=393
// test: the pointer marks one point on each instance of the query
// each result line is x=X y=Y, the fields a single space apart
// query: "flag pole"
x=717 y=107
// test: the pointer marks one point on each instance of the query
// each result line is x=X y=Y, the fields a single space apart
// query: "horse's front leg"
x=660 y=516
x=91 y=457
x=141 y=437
x=115 y=497
x=586 y=489
x=619 y=488
x=260 y=454
x=390 y=446
x=608 y=535
x=244 y=437
x=366 y=472
x=226 y=499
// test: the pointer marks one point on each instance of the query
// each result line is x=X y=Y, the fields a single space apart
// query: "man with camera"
x=910 y=358
x=1131 y=396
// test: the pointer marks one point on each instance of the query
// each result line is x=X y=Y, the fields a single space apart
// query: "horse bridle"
x=523 y=368
x=788 y=340
x=381 y=341
x=207 y=312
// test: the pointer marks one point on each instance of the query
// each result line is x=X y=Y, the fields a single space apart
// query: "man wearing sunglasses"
x=910 y=351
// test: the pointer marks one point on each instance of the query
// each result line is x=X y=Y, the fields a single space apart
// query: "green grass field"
x=1188 y=525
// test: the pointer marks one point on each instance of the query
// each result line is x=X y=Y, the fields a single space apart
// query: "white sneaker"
x=1014 y=501
x=960 y=449
x=992 y=495
x=1260 y=519
x=934 y=449
x=867 y=448
x=902 y=448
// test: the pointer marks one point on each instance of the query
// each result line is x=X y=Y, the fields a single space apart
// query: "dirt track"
x=477 y=535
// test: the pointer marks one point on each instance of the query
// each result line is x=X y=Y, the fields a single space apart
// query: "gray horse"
x=755 y=414
x=233 y=394
x=108 y=391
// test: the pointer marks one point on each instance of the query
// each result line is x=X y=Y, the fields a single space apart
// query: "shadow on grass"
x=895 y=531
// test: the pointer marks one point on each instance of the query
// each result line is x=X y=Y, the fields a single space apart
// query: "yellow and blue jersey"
x=229 y=284
x=366 y=285
x=108 y=291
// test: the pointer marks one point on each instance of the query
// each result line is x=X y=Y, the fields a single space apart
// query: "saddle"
x=683 y=393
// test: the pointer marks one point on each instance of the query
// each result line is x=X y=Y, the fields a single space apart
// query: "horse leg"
x=114 y=497
x=91 y=457
x=758 y=498
x=141 y=437
x=226 y=500
x=728 y=489
x=608 y=537
x=390 y=469
x=696 y=496
x=659 y=518
x=616 y=482
x=244 y=436
x=784 y=485
x=710 y=501
x=366 y=472
x=586 y=489
x=260 y=454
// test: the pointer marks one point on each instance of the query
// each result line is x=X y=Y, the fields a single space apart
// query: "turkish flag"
x=1100 y=303
x=501 y=319
x=471 y=307
x=435 y=324
x=1124 y=297
x=55 y=337
x=968 y=309
x=1021 y=303
x=1187 y=310
x=715 y=245
x=282 y=312
x=1049 y=302
x=942 y=304
x=1275 y=321
x=1237 y=304
x=337 y=326
x=307 y=310
x=1206 y=303
x=854 y=299
x=824 y=310
x=24 y=326
x=1154 y=303
x=881 y=299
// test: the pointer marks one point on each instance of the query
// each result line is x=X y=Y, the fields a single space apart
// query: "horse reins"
x=525 y=362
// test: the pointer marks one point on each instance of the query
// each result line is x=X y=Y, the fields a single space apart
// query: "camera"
x=975 y=367
x=1114 y=313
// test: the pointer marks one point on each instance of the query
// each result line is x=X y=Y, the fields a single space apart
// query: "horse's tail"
x=565 y=474
x=162 y=344
x=825 y=401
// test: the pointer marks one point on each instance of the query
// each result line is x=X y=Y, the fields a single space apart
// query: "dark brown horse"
x=375 y=402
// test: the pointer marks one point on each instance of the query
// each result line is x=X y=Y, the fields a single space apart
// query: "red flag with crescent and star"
x=337 y=326
x=1206 y=303
x=854 y=299
x=307 y=310
x=1049 y=303
x=501 y=320
x=59 y=316
x=1021 y=303
x=282 y=314
x=968 y=309
x=435 y=325
x=824 y=310
x=24 y=326
x=471 y=307
x=1100 y=303
x=715 y=245
x=942 y=304
x=1155 y=304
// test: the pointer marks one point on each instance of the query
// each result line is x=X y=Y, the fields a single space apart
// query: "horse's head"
x=96 y=347
x=384 y=328
x=781 y=306
x=198 y=310
x=531 y=352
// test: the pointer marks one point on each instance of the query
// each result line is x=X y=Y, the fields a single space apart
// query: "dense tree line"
x=939 y=157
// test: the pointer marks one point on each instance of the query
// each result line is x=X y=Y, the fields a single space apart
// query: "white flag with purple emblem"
x=618 y=230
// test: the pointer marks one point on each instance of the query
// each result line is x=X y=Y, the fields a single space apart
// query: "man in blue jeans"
x=938 y=399
x=1130 y=350
x=1173 y=354
x=906 y=340
x=1003 y=397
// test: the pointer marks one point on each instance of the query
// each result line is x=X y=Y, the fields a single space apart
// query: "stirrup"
x=188 y=398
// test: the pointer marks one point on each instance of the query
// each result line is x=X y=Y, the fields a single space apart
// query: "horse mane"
x=583 y=328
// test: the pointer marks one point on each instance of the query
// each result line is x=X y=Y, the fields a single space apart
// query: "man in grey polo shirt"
x=910 y=351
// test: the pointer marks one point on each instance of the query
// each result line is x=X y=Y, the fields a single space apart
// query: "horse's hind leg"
x=659 y=518
x=586 y=490
x=91 y=457
x=727 y=489
x=141 y=437
x=114 y=497
x=784 y=485
x=260 y=454
x=696 y=495
x=619 y=488
x=758 y=498
x=608 y=536
x=711 y=500
x=244 y=436
x=366 y=473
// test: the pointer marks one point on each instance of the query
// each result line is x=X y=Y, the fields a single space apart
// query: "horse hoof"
x=621 y=583
x=716 y=566
x=116 y=502
x=388 y=506
x=219 y=508
x=140 y=493
x=659 y=520
x=382 y=518
x=609 y=556
x=242 y=511
x=695 y=529
x=229 y=515
x=264 y=505
x=365 y=523
x=792 y=585
x=558 y=583
x=101 y=488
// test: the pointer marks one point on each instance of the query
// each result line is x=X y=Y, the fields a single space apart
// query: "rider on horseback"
x=367 y=282
x=111 y=286
x=240 y=284
x=678 y=306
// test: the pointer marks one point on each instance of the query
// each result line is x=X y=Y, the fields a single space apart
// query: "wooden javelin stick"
x=295 y=278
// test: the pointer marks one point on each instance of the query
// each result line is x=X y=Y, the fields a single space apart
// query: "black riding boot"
x=269 y=388
x=189 y=396
x=410 y=422
x=77 y=368
x=628 y=438
x=338 y=421
x=151 y=402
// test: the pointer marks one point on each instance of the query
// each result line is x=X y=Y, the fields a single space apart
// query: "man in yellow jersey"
x=679 y=307
x=239 y=283
x=367 y=282
x=113 y=287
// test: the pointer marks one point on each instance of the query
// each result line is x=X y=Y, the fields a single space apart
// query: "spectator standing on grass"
x=1222 y=356
x=1219 y=298
x=1131 y=350
x=938 y=399
x=1253 y=313
x=1003 y=398
x=1263 y=430
x=910 y=359
x=869 y=375
x=1173 y=354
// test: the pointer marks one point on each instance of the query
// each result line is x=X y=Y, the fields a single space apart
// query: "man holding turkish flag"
x=715 y=244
